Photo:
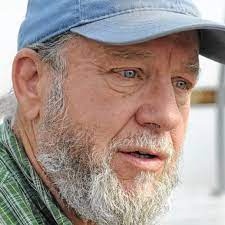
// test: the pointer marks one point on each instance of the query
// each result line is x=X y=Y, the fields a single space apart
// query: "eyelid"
x=139 y=71
x=185 y=78
x=190 y=85
x=126 y=69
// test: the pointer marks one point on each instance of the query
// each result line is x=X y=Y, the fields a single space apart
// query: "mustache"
x=148 y=140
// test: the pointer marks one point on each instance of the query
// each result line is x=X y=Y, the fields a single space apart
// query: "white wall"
x=11 y=15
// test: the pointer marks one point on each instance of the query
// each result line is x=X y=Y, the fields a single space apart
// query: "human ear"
x=26 y=76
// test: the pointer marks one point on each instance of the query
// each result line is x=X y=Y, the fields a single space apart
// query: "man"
x=103 y=96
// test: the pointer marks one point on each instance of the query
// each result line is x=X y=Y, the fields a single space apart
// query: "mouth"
x=143 y=159
x=141 y=155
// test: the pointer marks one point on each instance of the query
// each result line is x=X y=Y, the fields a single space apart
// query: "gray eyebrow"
x=193 y=68
x=126 y=53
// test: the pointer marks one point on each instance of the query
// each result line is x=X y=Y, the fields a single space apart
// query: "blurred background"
x=200 y=198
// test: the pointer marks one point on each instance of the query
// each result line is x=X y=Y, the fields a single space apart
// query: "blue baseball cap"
x=120 y=22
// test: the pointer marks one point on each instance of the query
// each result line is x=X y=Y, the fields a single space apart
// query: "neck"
x=24 y=130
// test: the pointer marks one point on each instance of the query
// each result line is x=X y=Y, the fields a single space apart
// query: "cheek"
x=94 y=106
x=178 y=134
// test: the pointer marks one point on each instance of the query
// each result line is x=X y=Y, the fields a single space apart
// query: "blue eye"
x=129 y=73
x=182 y=85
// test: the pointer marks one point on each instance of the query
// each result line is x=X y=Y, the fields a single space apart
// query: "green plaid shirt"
x=24 y=200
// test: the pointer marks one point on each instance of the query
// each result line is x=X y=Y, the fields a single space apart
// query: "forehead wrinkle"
x=125 y=53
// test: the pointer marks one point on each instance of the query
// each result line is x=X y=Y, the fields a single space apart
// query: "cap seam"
x=80 y=11
x=135 y=10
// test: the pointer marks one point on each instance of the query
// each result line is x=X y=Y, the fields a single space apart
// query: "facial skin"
x=157 y=100
x=117 y=100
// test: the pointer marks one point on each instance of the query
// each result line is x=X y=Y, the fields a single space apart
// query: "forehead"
x=184 y=43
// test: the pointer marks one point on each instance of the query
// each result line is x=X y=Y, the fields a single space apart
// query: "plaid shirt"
x=24 y=200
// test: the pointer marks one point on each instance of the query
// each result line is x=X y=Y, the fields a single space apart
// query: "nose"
x=159 y=110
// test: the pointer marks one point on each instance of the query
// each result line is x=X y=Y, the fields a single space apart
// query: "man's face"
x=121 y=123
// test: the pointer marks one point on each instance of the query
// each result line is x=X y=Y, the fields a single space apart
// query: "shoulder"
x=8 y=166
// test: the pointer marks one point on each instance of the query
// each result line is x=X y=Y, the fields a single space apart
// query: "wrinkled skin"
x=157 y=100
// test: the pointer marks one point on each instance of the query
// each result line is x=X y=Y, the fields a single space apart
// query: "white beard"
x=87 y=183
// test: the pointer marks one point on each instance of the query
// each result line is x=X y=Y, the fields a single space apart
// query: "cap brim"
x=140 y=26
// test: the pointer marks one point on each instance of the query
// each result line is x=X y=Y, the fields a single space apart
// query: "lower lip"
x=146 y=164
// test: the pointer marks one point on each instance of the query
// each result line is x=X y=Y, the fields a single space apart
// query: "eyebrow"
x=193 y=68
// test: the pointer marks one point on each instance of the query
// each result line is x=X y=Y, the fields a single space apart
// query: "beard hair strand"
x=92 y=189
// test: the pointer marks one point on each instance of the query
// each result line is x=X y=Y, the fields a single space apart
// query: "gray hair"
x=49 y=53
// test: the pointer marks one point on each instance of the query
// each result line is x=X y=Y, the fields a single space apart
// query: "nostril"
x=164 y=118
